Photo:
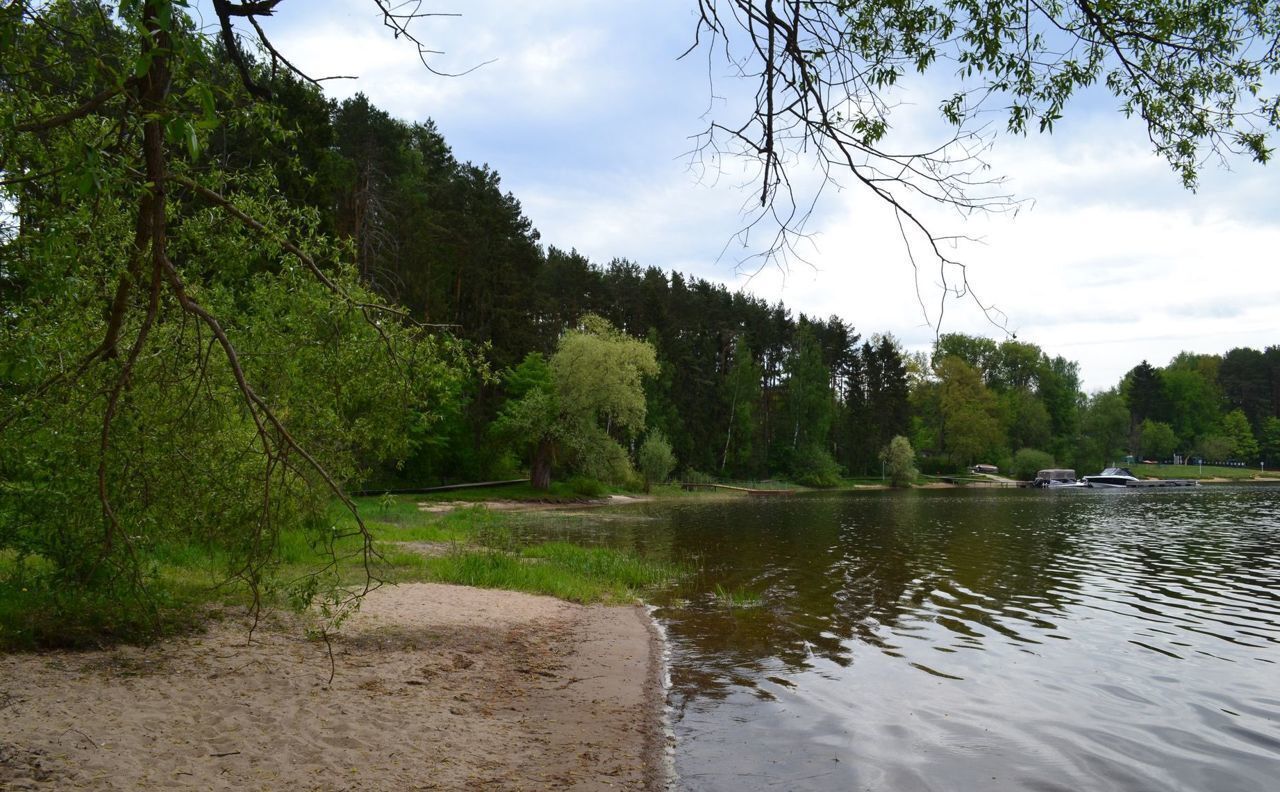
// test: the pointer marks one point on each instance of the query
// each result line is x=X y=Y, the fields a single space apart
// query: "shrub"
x=585 y=487
x=815 y=467
x=899 y=461
x=1028 y=461
x=655 y=458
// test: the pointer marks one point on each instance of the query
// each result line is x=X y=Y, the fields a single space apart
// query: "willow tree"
x=185 y=357
x=576 y=407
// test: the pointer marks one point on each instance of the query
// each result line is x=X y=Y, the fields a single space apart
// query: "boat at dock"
x=1122 y=478
x=1057 y=478
x=1112 y=477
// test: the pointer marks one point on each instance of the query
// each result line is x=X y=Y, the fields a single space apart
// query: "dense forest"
x=745 y=388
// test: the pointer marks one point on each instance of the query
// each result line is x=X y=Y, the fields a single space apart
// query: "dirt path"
x=437 y=687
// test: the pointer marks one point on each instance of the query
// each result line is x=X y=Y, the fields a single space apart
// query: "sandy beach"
x=437 y=687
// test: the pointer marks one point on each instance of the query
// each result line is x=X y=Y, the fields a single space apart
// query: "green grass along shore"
x=468 y=546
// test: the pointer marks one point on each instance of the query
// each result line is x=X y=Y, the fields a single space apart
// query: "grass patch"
x=558 y=569
x=188 y=581
x=1196 y=472
x=737 y=597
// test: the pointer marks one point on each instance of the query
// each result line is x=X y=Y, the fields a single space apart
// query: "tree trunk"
x=540 y=473
x=728 y=438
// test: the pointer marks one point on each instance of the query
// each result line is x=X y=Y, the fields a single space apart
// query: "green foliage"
x=970 y=427
x=590 y=392
x=742 y=394
x=876 y=403
x=1235 y=426
x=186 y=369
x=1191 y=385
x=1215 y=448
x=810 y=403
x=1157 y=440
x=739 y=597
x=1029 y=461
x=1270 y=441
x=585 y=487
x=899 y=462
x=558 y=569
x=1025 y=419
x=655 y=459
x=813 y=466
x=1145 y=394
x=1104 y=427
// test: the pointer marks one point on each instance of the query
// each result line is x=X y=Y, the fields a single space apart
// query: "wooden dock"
x=444 y=488
x=690 y=486
x=1147 y=483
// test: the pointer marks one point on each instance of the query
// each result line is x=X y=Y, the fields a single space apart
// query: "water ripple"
x=993 y=640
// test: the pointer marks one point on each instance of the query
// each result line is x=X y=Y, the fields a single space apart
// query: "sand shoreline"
x=437 y=687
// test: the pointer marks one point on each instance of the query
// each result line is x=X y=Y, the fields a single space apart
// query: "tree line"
x=743 y=387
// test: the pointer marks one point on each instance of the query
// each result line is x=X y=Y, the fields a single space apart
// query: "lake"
x=972 y=639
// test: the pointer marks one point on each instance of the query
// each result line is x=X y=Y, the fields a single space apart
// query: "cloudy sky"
x=587 y=114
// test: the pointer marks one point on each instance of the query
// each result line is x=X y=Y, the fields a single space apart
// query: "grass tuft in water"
x=738 y=597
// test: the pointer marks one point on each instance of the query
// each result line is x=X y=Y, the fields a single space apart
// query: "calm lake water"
x=974 y=640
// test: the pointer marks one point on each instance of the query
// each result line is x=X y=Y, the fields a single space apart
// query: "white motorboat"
x=1112 y=477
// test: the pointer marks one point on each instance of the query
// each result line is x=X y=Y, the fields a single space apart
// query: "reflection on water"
x=958 y=640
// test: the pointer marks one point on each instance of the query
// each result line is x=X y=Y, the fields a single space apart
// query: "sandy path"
x=437 y=687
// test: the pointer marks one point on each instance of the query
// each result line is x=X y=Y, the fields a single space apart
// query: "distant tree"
x=1025 y=420
x=1157 y=440
x=810 y=401
x=1016 y=365
x=1058 y=386
x=574 y=405
x=1270 y=445
x=1235 y=426
x=970 y=428
x=876 y=402
x=1105 y=422
x=529 y=420
x=814 y=466
x=655 y=459
x=1144 y=393
x=978 y=352
x=899 y=461
x=1215 y=448
x=1193 y=395
x=742 y=392
x=1246 y=383
x=888 y=408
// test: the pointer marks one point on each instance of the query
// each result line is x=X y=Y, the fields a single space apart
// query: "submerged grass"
x=739 y=597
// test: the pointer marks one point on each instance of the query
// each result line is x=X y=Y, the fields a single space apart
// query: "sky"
x=586 y=111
